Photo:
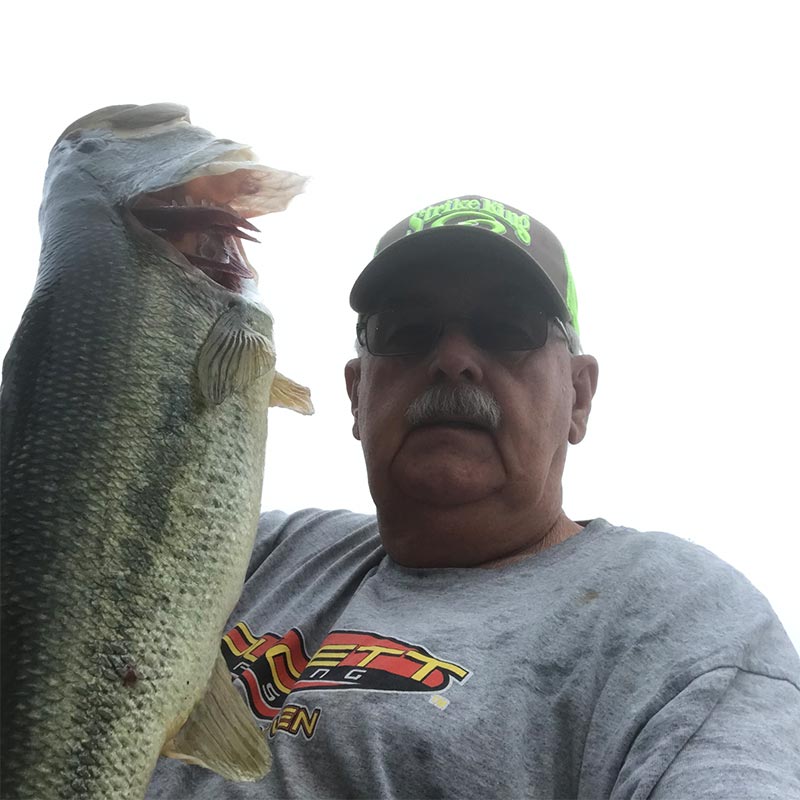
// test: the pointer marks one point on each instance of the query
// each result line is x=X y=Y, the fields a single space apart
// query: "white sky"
x=658 y=141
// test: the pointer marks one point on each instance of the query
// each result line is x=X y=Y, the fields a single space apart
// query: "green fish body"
x=134 y=423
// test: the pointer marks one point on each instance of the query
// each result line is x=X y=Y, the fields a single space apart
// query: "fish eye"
x=91 y=145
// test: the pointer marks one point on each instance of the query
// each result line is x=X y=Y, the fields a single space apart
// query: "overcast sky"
x=658 y=141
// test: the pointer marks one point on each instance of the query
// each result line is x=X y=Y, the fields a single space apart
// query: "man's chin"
x=445 y=482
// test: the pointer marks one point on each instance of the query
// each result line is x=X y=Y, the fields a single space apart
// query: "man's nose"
x=455 y=356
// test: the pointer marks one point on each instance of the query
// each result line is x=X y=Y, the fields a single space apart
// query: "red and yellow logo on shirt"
x=267 y=666
x=270 y=667
x=357 y=660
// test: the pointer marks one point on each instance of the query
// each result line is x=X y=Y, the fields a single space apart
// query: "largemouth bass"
x=134 y=422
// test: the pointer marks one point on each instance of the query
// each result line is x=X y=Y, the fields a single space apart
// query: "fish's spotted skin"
x=121 y=558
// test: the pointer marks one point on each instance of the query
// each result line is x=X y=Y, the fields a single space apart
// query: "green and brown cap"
x=507 y=238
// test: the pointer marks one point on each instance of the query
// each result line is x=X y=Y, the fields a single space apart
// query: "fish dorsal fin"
x=221 y=734
x=285 y=393
x=232 y=356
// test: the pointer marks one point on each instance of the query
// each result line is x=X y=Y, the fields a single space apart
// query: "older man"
x=473 y=641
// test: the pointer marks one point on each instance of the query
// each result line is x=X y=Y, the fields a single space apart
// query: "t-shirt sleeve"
x=729 y=733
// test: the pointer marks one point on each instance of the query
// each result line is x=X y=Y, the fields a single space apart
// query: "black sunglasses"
x=414 y=331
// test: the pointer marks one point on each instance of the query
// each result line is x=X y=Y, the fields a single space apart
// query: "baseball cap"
x=500 y=234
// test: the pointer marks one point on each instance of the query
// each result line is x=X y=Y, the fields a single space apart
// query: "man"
x=473 y=641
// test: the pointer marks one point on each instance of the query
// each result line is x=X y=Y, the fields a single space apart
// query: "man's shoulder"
x=659 y=557
x=314 y=521
x=678 y=591
x=312 y=532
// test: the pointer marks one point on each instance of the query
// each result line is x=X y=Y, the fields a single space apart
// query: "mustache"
x=446 y=402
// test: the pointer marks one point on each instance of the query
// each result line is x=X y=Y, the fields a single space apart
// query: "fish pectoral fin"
x=232 y=357
x=285 y=393
x=220 y=733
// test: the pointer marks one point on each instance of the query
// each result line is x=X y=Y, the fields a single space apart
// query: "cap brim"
x=477 y=247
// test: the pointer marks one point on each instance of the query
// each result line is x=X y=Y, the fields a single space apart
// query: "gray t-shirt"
x=615 y=664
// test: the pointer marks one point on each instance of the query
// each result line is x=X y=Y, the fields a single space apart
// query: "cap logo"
x=480 y=212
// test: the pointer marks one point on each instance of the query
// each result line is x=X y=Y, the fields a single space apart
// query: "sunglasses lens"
x=401 y=332
x=510 y=332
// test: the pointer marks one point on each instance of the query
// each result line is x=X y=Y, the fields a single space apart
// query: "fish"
x=134 y=406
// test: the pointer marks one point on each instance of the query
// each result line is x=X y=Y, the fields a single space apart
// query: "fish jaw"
x=203 y=237
x=133 y=150
x=175 y=180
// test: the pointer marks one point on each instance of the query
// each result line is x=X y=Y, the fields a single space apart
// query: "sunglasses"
x=414 y=331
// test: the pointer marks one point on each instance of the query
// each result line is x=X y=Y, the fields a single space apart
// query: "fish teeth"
x=189 y=201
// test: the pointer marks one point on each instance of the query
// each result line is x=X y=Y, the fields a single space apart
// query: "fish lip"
x=235 y=190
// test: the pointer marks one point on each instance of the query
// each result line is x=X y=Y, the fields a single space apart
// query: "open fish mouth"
x=199 y=220
x=174 y=181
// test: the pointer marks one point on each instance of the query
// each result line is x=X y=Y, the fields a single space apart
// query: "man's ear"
x=352 y=377
x=584 y=385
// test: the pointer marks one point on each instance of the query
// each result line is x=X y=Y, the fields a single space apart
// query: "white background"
x=659 y=142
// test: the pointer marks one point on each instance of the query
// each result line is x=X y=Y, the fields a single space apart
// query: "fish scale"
x=129 y=502
x=108 y=559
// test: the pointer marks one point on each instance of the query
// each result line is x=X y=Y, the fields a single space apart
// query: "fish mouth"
x=200 y=220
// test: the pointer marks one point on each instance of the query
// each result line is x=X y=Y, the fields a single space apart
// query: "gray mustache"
x=464 y=402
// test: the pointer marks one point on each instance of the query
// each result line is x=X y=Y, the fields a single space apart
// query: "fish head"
x=189 y=193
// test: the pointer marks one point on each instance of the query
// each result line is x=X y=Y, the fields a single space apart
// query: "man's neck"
x=560 y=531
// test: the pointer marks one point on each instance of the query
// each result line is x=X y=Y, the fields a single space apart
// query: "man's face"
x=449 y=475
